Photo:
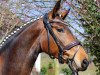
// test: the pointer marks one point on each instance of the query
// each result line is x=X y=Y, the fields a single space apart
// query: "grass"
x=46 y=60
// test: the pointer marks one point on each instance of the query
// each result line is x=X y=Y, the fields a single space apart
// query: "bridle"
x=48 y=27
x=49 y=30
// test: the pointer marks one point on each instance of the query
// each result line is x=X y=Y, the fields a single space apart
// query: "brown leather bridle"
x=48 y=27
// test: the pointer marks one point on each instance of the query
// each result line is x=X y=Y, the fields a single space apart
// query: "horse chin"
x=81 y=69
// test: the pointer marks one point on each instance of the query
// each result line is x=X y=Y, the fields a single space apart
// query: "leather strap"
x=71 y=45
x=49 y=28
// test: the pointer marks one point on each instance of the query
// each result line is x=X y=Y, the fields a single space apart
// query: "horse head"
x=58 y=41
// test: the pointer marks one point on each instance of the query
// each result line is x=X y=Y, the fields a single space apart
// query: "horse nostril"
x=85 y=64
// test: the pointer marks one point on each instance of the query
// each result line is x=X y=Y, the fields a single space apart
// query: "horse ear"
x=55 y=10
x=65 y=9
x=64 y=13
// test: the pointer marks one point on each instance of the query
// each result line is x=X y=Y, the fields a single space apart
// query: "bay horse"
x=49 y=34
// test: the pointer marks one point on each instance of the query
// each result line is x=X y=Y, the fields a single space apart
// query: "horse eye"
x=60 y=30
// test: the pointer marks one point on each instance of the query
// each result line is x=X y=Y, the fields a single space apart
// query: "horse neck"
x=22 y=53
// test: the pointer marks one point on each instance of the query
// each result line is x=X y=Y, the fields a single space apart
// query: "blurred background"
x=83 y=20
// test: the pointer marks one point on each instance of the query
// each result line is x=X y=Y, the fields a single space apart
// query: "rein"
x=48 y=27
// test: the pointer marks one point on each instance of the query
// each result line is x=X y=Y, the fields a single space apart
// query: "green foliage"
x=50 y=65
x=43 y=71
x=92 y=27
x=48 y=70
x=51 y=69
x=66 y=71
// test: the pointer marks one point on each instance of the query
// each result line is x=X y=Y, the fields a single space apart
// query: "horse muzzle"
x=84 y=65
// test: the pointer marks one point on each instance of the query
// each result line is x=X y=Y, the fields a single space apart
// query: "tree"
x=92 y=28
x=8 y=20
x=89 y=12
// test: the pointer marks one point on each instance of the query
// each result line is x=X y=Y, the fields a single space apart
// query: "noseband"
x=48 y=27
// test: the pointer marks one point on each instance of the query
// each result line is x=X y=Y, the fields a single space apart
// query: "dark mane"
x=13 y=37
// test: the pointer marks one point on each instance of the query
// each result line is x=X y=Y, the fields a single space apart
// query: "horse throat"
x=30 y=59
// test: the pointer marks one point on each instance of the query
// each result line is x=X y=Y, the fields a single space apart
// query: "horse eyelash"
x=60 y=30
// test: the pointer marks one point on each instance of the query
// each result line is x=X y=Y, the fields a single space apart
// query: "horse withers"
x=49 y=34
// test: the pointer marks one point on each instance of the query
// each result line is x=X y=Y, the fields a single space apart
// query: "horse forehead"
x=59 y=25
x=62 y=25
